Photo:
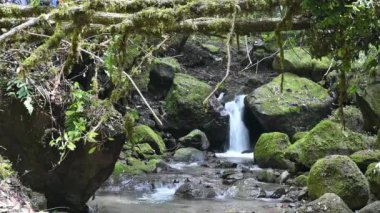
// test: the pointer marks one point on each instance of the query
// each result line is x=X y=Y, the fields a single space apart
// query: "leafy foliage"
x=21 y=89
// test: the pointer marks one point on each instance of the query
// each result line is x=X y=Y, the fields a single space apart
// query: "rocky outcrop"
x=328 y=203
x=196 y=139
x=326 y=138
x=300 y=62
x=269 y=150
x=365 y=157
x=373 y=176
x=299 y=107
x=189 y=154
x=26 y=141
x=369 y=103
x=339 y=175
x=185 y=111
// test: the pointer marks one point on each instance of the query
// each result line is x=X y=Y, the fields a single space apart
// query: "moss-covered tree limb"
x=15 y=11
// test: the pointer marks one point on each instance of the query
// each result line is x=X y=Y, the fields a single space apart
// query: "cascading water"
x=238 y=135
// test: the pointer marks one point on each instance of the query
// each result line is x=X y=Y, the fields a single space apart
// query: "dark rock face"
x=299 y=107
x=26 y=140
x=161 y=75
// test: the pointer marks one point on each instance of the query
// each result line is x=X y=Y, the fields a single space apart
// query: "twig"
x=228 y=57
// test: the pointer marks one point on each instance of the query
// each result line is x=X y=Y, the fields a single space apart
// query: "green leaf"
x=28 y=103
x=91 y=136
x=92 y=150
x=71 y=146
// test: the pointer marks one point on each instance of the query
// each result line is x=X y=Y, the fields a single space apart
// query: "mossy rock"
x=353 y=118
x=365 y=157
x=371 y=208
x=299 y=62
x=161 y=75
x=269 y=150
x=299 y=107
x=301 y=180
x=145 y=151
x=185 y=110
x=328 y=203
x=369 y=103
x=373 y=176
x=338 y=174
x=134 y=166
x=196 y=139
x=189 y=154
x=326 y=138
x=144 y=134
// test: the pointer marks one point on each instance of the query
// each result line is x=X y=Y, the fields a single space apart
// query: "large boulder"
x=196 y=139
x=328 y=203
x=326 y=138
x=339 y=175
x=373 y=176
x=369 y=103
x=161 y=75
x=299 y=107
x=144 y=134
x=371 y=208
x=185 y=111
x=269 y=150
x=300 y=62
x=365 y=157
x=71 y=183
x=189 y=154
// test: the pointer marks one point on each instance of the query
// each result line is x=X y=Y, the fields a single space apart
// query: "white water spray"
x=239 y=135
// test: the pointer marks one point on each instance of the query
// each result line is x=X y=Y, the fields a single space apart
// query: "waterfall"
x=238 y=134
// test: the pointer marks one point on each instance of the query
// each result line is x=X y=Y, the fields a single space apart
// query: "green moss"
x=373 y=176
x=365 y=157
x=144 y=134
x=298 y=136
x=299 y=61
x=184 y=101
x=339 y=175
x=269 y=150
x=134 y=167
x=145 y=151
x=297 y=93
x=211 y=48
x=186 y=90
x=5 y=168
x=326 y=138
x=168 y=61
x=301 y=180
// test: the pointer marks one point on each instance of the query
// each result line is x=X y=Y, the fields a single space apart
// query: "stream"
x=155 y=192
